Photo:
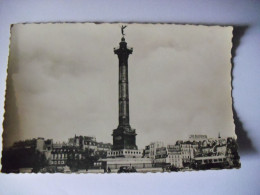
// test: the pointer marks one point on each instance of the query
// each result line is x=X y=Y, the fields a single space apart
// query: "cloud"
x=66 y=79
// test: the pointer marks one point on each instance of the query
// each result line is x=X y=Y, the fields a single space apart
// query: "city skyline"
x=87 y=155
x=65 y=79
x=188 y=138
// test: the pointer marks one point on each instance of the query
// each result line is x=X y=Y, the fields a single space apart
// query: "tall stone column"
x=123 y=53
x=124 y=135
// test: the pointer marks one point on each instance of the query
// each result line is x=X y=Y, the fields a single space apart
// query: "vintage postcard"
x=118 y=98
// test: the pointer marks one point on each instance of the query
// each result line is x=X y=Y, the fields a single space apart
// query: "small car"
x=172 y=168
x=126 y=169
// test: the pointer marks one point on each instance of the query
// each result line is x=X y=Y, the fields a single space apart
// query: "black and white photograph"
x=119 y=98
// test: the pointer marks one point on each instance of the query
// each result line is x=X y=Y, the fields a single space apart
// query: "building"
x=26 y=144
x=76 y=149
x=160 y=156
x=221 y=150
x=126 y=153
x=38 y=144
x=169 y=155
x=153 y=148
x=187 y=151
x=175 y=158
x=60 y=155
x=146 y=153
x=206 y=162
x=196 y=137
x=89 y=142
x=103 y=146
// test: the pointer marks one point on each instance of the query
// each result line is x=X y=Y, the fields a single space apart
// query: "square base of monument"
x=138 y=163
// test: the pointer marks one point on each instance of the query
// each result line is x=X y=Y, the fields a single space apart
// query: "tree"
x=14 y=159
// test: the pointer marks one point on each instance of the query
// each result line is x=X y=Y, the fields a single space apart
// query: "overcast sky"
x=65 y=79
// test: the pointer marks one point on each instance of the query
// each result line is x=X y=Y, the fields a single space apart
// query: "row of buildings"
x=58 y=153
x=75 y=148
x=196 y=151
